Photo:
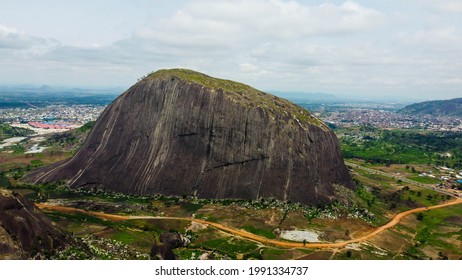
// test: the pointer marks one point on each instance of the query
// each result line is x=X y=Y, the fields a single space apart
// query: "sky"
x=401 y=49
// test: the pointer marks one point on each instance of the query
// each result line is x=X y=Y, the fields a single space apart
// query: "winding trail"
x=287 y=244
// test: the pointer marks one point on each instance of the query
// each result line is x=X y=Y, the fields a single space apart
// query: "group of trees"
x=402 y=147
x=8 y=131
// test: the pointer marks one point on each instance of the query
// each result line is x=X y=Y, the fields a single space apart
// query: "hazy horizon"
x=315 y=97
x=395 y=50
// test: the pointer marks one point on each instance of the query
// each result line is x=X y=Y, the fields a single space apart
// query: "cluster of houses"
x=450 y=179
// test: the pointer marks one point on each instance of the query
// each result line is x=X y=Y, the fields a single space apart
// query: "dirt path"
x=394 y=221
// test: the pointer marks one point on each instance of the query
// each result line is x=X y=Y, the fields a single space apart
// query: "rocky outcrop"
x=25 y=232
x=169 y=241
x=179 y=132
x=174 y=239
x=162 y=252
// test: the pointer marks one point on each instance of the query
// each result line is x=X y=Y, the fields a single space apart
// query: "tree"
x=420 y=216
x=348 y=254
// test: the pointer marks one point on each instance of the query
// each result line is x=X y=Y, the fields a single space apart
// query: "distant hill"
x=29 y=96
x=451 y=107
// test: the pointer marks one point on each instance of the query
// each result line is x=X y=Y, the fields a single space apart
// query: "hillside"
x=69 y=140
x=451 y=107
x=7 y=131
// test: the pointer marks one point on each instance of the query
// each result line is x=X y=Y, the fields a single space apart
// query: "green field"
x=424 y=180
x=401 y=146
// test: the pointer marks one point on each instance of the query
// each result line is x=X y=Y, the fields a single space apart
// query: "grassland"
x=402 y=146
x=7 y=131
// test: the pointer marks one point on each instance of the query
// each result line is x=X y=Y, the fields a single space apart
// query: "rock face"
x=25 y=232
x=179 y=132
x=162 y=252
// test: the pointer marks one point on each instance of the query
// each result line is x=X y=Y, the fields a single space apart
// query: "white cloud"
x=7 y=30
x=248 y=67
x=445 y=6
x=228 y=24
x=11 y=38
x=327 y=67
x=281 y=45
x=223 y=37
x=443 y=40
x=450 y=6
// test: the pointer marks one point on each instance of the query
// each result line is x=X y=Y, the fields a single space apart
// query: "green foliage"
x=61 y=138
x=275 y=252
x=7 y=131
x=424 y=180
x=36 y=163
x=423 y=235
x=70 y=140
x=261 y=232
x=401 y=146
x=230 y=246
x=81 y=217
x=420 y=216
x=17 y=149
x=4 y=181
x=188 y=254
x=86 y=127
x=208 y=217
x=93 y=247
x=365 y=195
x=433 y=231
x=192 y=207
x=125 y=237
x=253 y=255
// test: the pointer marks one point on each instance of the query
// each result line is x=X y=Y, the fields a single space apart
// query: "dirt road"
x=394 y=221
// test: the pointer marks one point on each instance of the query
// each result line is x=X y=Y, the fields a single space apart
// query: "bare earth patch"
x=300 y=235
